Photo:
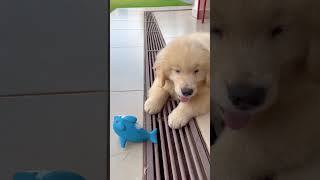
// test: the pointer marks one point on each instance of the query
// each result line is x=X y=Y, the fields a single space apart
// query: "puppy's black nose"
x=246 y=97
x=186 y=91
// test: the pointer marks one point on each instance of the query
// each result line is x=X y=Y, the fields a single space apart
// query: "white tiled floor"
x=130 y=159
x=125 y=103
x=127 y=25
x=172 y=25
x=126 y=66
x=126 y=75
x=127 y=38
x=126 y=86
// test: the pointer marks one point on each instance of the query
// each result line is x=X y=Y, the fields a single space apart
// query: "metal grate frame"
x=180 y=154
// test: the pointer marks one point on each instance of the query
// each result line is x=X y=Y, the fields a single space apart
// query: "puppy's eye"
x=216 y=31
x=278 y=30
x=177 y=71
x=196 y=71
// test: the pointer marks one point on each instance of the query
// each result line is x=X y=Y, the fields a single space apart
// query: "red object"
x=198 y=9
x=204 y=10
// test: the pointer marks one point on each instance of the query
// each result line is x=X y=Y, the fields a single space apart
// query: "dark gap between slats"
x=175 y=149
x=202 y=152
x=156 y=152
x=149 y=165
x=178 y=150
x=186 y=148
x=163 y=156
x=169 y=151
x=186 y=158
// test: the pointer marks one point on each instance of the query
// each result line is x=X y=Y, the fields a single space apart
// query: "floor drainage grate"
x=180 y=154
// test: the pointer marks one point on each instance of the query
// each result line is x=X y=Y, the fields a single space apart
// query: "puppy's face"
x=257 y=46
x=185 y=63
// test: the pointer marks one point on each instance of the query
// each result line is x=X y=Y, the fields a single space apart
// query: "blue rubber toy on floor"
x=125 y=127
x=47 y=175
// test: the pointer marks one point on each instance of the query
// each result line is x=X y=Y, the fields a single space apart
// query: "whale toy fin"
x=131 y=119
x=123 y=142
x=153 y=136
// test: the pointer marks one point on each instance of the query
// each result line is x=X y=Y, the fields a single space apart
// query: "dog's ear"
x=159 y=68
x=203 y=39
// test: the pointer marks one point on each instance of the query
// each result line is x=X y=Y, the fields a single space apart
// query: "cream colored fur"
x=187 y=53
x=282 y=139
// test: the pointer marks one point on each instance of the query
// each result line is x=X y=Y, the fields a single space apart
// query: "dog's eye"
x=196 y=71
x=177 y=71
x=216 y=31
x=278 y=30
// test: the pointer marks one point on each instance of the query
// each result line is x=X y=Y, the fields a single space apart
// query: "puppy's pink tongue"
x=184 y=99
x=236 y=120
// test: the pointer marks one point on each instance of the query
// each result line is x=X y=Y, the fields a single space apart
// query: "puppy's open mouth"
x=184 y=98
x=235 y=119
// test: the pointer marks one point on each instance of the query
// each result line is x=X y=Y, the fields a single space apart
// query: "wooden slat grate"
x=180 y=154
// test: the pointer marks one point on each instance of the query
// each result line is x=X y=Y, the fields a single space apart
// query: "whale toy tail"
x=153 y=136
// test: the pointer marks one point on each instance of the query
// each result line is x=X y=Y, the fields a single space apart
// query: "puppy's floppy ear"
x=159 y=68
x=203 y=39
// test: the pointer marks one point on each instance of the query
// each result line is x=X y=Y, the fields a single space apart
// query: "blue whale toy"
x=125 y=128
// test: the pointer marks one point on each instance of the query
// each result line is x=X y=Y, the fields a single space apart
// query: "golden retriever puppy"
x=182 y=71
x=265 y=83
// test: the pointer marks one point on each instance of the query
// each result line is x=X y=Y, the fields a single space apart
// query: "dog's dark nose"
x=246 y=97
x=186 y=91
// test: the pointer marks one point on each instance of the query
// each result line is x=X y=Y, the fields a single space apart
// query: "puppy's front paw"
x=151 y=106
x=177 y=119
